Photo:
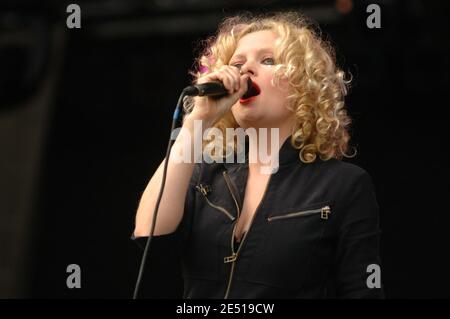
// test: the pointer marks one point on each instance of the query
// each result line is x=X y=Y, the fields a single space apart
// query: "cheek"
x=284 y=84
x=277 y=97
x=278 y=92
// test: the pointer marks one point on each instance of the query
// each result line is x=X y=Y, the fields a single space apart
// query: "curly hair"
x=308 y=62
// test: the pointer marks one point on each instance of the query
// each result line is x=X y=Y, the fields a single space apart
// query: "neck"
x=264 y=147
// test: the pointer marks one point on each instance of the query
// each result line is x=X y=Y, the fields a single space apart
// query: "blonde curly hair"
x=308 y=62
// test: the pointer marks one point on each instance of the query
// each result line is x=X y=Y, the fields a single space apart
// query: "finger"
x=220 y=75
x=243 y=84
x=227 y=81
x=207 y=78
x=234 y=78
x=213 y=76
x=237 y=75
x=236 y=71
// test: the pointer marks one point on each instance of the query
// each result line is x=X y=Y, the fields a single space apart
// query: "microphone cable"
x=176 y=116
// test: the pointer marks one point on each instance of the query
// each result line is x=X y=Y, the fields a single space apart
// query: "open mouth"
x=251 y=94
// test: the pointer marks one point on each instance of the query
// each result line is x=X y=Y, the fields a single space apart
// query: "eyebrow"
x=259 y=51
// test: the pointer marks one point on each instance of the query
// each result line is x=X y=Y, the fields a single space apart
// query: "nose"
x=247 y=68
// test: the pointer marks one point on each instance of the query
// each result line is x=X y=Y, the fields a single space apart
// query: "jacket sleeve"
x=185 y=227
x=358 y=266
x=181 y=234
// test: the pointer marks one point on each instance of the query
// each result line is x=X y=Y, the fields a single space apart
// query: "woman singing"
x=309 y=228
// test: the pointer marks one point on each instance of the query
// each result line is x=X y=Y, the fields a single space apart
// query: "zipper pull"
x=204 y=189
x=230 y=259
x=324 y=212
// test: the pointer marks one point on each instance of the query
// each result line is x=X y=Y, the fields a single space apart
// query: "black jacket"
x=314 y=234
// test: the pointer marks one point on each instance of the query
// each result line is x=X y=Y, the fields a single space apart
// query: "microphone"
x=215 y=89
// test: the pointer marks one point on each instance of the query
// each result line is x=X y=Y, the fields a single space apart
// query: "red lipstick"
x=251 y=94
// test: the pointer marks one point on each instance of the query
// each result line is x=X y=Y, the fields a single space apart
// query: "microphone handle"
x=213 y=89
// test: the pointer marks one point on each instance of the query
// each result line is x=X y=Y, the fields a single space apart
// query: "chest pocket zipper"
x=204 y=190
x=324 y=212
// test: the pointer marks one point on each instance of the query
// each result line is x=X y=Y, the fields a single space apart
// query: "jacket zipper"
x=234 y=255
x=204 y=191
x=230 y=188
x=324 y=212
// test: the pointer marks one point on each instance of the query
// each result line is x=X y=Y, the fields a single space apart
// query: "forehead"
x=255 y=41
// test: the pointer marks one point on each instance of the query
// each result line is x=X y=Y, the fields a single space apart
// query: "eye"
x=269 y=61
x=238 y=65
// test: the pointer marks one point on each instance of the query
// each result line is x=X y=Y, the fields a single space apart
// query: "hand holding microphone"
x=217 y=92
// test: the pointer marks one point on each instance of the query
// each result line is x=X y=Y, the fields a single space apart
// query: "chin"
x=248 y=121
x=247 y=116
